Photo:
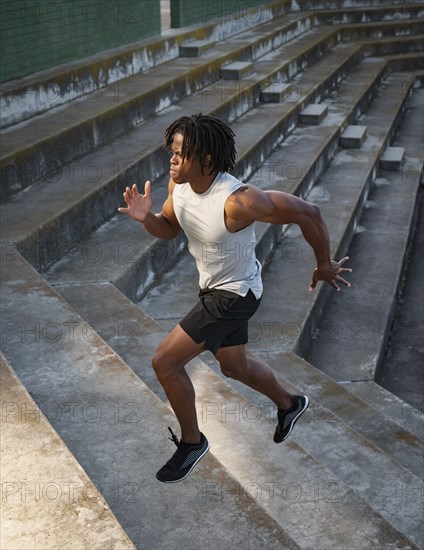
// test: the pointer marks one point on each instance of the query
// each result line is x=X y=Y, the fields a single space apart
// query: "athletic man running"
x=218 y=213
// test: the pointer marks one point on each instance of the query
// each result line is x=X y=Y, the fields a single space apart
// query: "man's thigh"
x=177 y=349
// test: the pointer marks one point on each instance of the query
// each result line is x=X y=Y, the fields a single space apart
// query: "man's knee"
x=230 y=371
x=162 y=365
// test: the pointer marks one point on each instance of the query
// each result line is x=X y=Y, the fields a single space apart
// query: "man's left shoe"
x=182 y=462
x=288 y=418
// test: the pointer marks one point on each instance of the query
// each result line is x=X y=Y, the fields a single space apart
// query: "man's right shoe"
x=287 y=418
x=182 y=462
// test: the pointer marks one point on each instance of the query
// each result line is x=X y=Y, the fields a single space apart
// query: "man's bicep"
x=168 y=211
x=283 y=208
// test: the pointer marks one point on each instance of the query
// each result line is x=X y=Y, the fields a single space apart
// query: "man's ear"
x=207 y=163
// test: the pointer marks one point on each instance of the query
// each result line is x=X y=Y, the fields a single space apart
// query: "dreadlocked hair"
x=204 y=135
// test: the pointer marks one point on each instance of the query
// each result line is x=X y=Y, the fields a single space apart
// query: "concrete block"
x=353 y=137
x=34 y=452
x=276 y=93
x=236 y=70
x=392 y=158
x=196 y=48
x=313 y=113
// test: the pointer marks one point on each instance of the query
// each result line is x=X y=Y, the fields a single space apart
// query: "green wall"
x=188 y=12
x=37 y=34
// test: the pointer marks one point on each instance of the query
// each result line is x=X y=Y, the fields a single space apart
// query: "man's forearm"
x=315 y=232
x=158 y=226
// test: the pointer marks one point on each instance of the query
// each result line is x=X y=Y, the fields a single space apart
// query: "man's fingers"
x=341 y=280
x=147 y=188
x=123 y=210
x=343 y=260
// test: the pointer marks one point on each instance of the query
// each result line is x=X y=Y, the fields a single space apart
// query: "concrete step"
x=410 y=418
x=355 y=459
x=386 y=224
x=67 y=214
x=406 y=62
x=390 y=46
x=48 y=500
x=345 y=4
x=381 y=29
x=393 y=437
x=39 y=147
x=133 y=264
x=26 y=97
x=297 y=486
x=139 y=150
x=130 y=264
x=346 y=183
x=222 y=408
x=353 y=136
x=369 y=14
x=116 y=428
x=401 y=369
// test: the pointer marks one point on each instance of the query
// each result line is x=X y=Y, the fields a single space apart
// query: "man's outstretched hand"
x=138 y=206
x=331 y=274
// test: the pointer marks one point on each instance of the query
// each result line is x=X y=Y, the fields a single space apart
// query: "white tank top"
x=224 y=260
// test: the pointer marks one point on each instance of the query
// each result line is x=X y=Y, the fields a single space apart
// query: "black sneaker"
x=182 y=462
x=287 y=419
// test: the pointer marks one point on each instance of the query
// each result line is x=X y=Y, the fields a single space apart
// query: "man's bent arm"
x=251 y=203
x=292 y=209
x=163 y=225
x=159 y=226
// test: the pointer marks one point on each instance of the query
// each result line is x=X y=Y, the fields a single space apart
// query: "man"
x=218 y=213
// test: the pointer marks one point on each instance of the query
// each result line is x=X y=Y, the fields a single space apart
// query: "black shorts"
x=220 y=318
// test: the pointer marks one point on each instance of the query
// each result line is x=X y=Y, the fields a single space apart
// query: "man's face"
x=187 y=171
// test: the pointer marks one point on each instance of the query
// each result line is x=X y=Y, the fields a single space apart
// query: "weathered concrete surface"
x=392 y=158
x=353 y=137
x=125 y=260
x=402 y=370
x=292 y=314
x=236 y=70
x=85 y=194
x=195 y=48
x=48 y=500
x=313 y=114
x=39 y=147
x=357 y=323
x=117 y=428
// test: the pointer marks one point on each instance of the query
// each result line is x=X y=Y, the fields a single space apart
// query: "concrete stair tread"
x=134 y=88
x=391 y=206
x=113 y=159
x=106 y=67
x=43 y=485
x=388 y=39
x=355 y=459
x=136 y=103
x=214 y=391
x=413 y=61
x=403 y=27
x=358 y=166
x=389 y=46
x=112 y=423
x=213 y=394
x=394 y=408
x=393 y=438
x=368 y=13
x=91 y=121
